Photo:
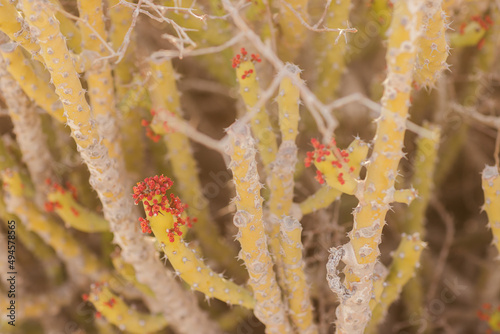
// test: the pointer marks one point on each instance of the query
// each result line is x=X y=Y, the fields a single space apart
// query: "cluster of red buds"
x=110 y=303
x=51 y=206
x=56 y=187
x=153 y=193
x=490 y=315
x=246 y=74
x=321 y=151
x=150 y=133
x=254 y=57
x=485 y=23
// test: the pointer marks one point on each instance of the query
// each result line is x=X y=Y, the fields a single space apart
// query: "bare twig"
x=198 y=52
x=324 y=29
x=76 y=18
x=126 y=40
x=492 y=121
x=324 y=120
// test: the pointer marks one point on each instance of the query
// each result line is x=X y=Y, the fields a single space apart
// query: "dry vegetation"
x=390 y=114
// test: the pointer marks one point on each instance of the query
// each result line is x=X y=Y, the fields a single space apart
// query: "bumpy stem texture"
x=21 y=69
x=250 y=92
x=251 y=235
x=491 y=188
x=298 y=296
x=81 y=263
x=166 y=99
x=117 y=312
x=177 y=305
x=293 y=33
x=377 y=192
x=27 y=127
x=431 y=57
x=405 y=261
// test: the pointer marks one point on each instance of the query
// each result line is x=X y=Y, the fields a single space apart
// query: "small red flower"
x=242 y=56
x=462 y=28
x=72 y=189
x=319 y=177
x=110 y=303
x=153 y=193
x=75 y=211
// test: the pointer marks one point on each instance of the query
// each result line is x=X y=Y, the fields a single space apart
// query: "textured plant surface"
x=264 y=166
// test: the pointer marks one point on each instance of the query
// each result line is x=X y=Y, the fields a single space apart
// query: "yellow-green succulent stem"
x=191 y=268
x=404 y=264
x=280 y=180
x=68 y=28
x=361 y=253
x=19 y=66
x=260 y=123
x=330 y=61
x=293 y=32
x=117 y=312
x=248 y=219
x=422 y=180
x=106 y=177
x=326 y=195
x=297 y=289
x=77 y=258
x=35 y=244
x=470 y=36
x=321 y=199
x=433 y=49
x=30 y=137
x=121 y=20
x=99 y=78
x=491 y=188
x=285 y=233
x=14 y=26
x=127 y=271
x=166 y=99
x=75 y=215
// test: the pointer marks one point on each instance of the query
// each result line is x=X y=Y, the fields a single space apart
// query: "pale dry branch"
x=169 y=54
x=341 y=31
x=324 y=120
x=491 y=121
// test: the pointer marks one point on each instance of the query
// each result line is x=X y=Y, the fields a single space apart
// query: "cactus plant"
x=281 y=177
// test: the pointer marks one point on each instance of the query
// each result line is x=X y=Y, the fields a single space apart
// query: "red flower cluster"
x=485 y=23
x=246 y=74
x=110 y=303
x=149 y=133
x=254 y=57
x=56 y=187
x=153 y=193
x=51 y=206
x=486 y=313
x=320 y=153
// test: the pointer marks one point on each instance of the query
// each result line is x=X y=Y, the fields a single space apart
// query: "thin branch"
x=169 y=54
x=492 y=121
x=76 y=18
x=126 y=40
x=324 y=29
x=324 y=120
